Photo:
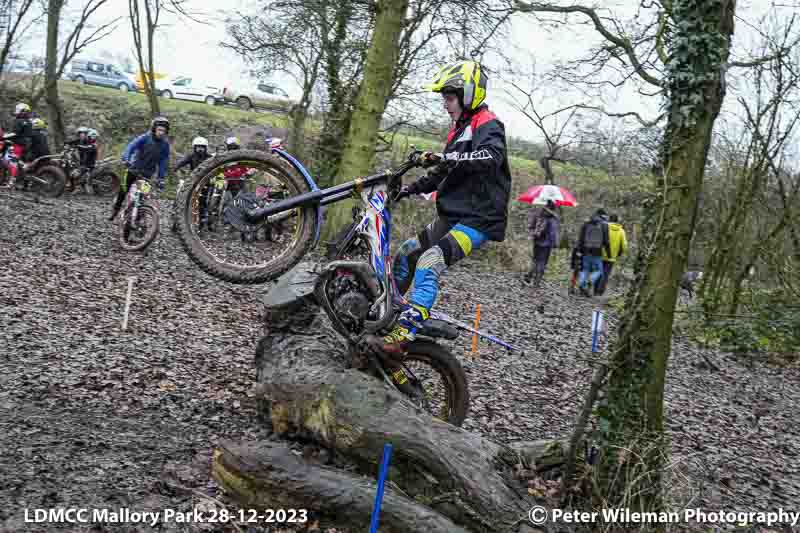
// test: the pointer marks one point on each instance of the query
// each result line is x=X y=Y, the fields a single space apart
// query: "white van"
x=190 y=88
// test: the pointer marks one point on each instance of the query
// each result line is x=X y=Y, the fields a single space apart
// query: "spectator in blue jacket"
x=145 y=156
x=544 y=228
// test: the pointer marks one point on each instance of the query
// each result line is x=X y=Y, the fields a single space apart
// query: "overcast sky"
x=190 y=48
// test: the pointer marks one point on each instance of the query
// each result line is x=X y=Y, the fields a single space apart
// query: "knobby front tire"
x=250 y=274
x=145 y=212
x=451 y=372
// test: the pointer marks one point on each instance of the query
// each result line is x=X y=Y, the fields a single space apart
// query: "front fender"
x=309 y=180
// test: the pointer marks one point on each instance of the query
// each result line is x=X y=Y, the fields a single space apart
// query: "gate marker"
x=475 y=335
x=597 y=326
x=384 y=471
x=127 y=303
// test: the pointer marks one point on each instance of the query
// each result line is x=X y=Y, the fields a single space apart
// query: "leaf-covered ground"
x=93 y=416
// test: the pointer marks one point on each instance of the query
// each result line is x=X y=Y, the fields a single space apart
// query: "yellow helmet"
x=466 y=76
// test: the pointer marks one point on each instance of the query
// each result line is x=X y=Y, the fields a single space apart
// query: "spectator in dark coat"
x=593 y=241
x=544 y=228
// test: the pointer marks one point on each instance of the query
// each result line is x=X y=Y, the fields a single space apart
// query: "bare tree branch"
x=644 y=122
x=622 y=42
x=12 y=32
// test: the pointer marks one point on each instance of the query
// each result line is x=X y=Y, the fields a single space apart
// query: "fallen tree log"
x=269 y=475
x=449 y=478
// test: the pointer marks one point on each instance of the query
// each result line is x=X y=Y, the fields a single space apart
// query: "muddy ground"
x=95 y=417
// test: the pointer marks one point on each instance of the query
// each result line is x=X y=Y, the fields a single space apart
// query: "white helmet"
x=200 y=141
x=22 y=107
x=233 y=143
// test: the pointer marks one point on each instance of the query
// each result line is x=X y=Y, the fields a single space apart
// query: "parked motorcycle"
x=100 y=181
x=42 y=176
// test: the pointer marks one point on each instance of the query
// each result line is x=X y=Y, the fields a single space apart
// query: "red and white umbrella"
x=540 y=194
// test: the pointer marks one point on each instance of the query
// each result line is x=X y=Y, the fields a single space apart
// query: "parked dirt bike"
x=361 y=298
x=100 y=181
x=41 y=176
x=139 y=222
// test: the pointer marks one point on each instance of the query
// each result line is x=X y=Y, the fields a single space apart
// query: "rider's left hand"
x=429 y=159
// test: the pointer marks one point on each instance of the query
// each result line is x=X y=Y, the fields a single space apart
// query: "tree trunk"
x=147 y=69
x=631 y=415
x=152 y=24
x=375 y=88
x=296 y=141
x=336 y=123
x=298 y=115
x=544 y=162
x=54 y=110
x=441 y=478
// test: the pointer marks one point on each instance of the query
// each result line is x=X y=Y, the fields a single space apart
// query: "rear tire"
x=105 y=183
x=166 y=94
x=56 y=181
x=122 y=87
x=152 y=229
x=210 y=100
x=246 y=275
x=452 y=373
x=81 y=80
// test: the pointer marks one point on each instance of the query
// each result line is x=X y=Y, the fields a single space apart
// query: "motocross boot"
x=405 y=331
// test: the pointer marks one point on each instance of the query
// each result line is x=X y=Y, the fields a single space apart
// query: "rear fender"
x=309 y=180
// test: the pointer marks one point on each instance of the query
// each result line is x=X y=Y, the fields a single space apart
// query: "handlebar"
x=337 y=192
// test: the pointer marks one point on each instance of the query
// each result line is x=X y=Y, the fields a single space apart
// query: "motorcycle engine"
x=350 y=299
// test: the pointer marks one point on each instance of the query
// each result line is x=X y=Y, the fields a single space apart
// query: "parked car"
x=90 y=72
x=189 y=88
x=260 y=96
x=18 y=65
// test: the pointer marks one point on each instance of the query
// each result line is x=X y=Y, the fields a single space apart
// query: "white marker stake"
x=127 y=304
x=597 y=327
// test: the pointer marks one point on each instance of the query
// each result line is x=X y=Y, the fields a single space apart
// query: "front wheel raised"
x=229 y=253
x=440 y=377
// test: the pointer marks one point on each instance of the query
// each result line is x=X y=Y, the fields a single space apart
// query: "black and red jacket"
x=473 y=185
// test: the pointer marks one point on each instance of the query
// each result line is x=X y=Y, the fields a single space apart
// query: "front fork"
x=392 y=371
x=135 y=211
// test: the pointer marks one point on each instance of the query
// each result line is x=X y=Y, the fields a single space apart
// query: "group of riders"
x=146 y=156
x=472 y=181
x=29 y=143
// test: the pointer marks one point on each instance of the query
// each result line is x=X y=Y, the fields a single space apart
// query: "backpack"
x=593 y=240
x=539 y=228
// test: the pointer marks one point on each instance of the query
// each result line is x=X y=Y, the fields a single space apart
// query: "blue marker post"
x=597 y=326
x=384 y=471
